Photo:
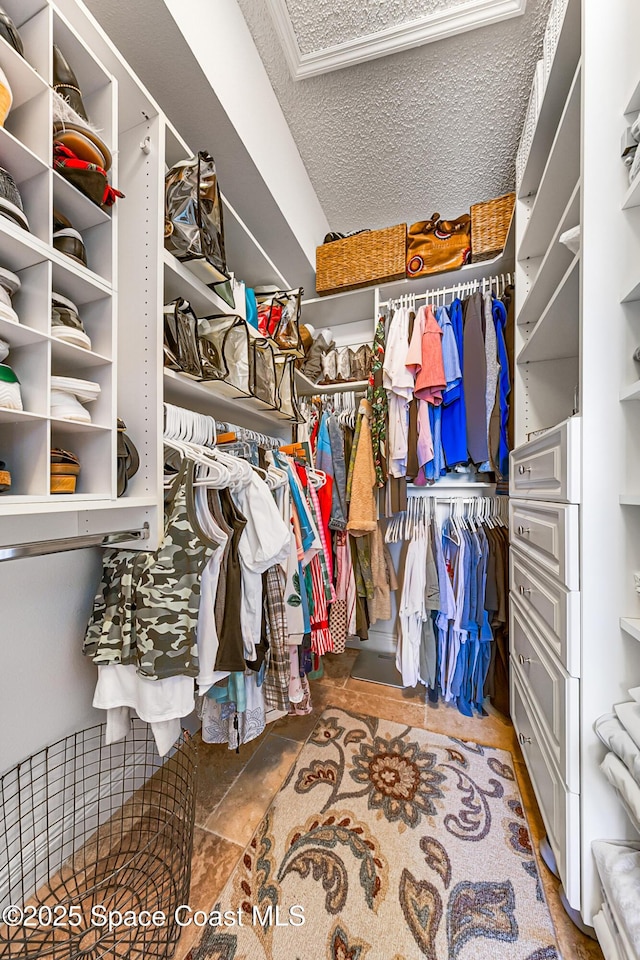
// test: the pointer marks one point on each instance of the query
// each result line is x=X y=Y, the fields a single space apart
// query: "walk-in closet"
x=319 y=564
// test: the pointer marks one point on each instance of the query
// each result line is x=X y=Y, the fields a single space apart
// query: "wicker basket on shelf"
x=490 y=224
x=373 y=257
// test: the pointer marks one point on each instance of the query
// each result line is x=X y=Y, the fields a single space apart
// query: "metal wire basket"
x=93 y=836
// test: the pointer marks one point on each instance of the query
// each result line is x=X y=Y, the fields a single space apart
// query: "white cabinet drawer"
x=548 y=468
x=552 y=692
x=559 y=807
x=548 y=533
x=554 y=609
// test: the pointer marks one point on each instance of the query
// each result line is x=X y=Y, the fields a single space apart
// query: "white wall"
x=46 y=685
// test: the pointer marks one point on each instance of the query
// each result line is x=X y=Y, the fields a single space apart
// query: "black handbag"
x=194 y=226
x=181 y=349
x=128 y=458
x=264 y=381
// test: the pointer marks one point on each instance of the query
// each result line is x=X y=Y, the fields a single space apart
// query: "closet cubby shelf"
x=179 y=281
x=632 y=292
x=631 y=626
x=630 y=499
x=70 y=354
x=81 y=211
x=18 y=159
x=632 y=196
x=552 y=265
x=561 y=173
x=557 y=86
x=556 y=335
x=632 y=392
x=25 y=82
x=18 y=416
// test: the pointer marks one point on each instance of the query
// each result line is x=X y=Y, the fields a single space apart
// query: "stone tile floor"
x=235 y=790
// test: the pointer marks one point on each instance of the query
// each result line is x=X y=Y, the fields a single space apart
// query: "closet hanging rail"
x=497 y=283
x=40 y=548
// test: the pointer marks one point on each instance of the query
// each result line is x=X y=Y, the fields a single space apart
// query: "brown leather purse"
x=437 y=245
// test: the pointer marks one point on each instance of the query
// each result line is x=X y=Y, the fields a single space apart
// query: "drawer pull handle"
x=524 y=659
x=524 y=740
x=522 y=469
x=525 y=590
x=524 y=531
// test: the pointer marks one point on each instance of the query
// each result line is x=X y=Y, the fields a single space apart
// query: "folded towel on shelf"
x=620 y=866
x=629 y=716
x=614 y=736
x=619 y=777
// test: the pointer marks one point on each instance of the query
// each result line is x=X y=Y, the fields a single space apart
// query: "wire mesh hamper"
x=86 y=825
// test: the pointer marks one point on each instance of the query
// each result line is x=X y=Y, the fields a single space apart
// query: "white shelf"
x=631 y=392
x=632 y=292
x=180 y=282
x=19 y=335
x=555 y=94
x=450 y=486
x=78 y=208
x=75 y=426
x=65 y=352
x=18 y=159
x=632 y=196
x=307 y=388
x=630 y=499
x=631 y=626
x=220 y=400
x=556 y=335
x=24 y=81
x=19 y=416
x=561 y=173
x=555 y=262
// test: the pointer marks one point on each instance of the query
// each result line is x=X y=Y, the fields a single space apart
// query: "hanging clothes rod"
x=462 y=289
x=40 y=548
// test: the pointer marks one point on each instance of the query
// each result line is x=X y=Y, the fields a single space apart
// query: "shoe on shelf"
x=65 y=468
x=67 y=240
x=68 y=395
x=84 y=143
x=66 y=324
x=65 y=83
x=5 y=477
x=9 y=32
x=11 y=205
x=9 y=285
x=10 y=395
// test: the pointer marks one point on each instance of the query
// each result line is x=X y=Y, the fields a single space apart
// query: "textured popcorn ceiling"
x=319 y=24
x=396 y=139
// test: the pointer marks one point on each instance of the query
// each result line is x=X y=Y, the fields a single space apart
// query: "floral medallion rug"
x=386 y=843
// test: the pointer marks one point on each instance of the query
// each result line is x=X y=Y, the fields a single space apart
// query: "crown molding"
x=393 y=39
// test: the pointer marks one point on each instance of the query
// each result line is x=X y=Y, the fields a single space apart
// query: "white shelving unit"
x=577 y=326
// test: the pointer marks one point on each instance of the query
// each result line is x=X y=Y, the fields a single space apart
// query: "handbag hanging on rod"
x=436 y=245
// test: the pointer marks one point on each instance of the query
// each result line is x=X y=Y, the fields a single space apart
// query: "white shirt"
x=398 y=381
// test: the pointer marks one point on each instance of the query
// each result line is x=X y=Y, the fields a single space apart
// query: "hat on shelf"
x=9 y=32
x=5 y=477
x=11 y=205
x=65 y=468
x=10 y=396
x=66 y=323
x=84 y=143
x=6 y=97
x=9 y=285
x=68 y=395
x=68 y=240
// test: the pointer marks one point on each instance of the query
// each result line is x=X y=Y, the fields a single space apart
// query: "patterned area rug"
x=396 y=843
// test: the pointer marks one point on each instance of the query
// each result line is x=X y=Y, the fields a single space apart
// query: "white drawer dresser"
x=545 y=633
